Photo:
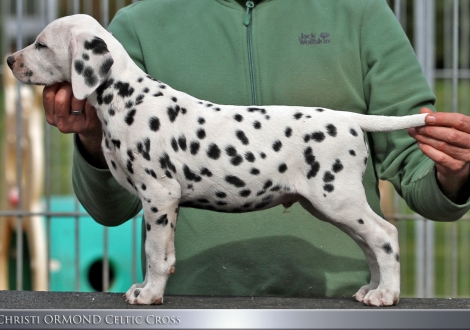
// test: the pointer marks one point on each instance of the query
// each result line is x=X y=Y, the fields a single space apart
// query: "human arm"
x=394 y=85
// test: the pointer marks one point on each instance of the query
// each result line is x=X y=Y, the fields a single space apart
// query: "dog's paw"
x=138 y=295
x=362 y=292
x=381 y=297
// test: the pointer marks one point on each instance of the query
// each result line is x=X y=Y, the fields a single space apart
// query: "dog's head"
x=71 y=49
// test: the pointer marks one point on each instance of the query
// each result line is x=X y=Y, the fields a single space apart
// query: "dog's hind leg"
x=377 y=238
x=160 y=224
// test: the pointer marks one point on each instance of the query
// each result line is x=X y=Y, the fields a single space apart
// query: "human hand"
x=446 y=140
x=59 y=102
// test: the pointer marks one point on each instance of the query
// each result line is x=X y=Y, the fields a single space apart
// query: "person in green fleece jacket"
x=345 y=55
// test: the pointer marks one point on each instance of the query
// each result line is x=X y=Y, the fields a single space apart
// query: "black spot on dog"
x=117 y=143
x=360 y=221
x=162 y=221
x=242 y=137
x=306 y=138
x=108 y=98
x=111 y=112
x=174 y=99
x=238 y=118
x=245 y=193
x=139 y=99
x=254 y=171
x=144 y=148
x=331 y=130
x=257 y=124
x=190 y=175
x=86 y=57
x=277 y=146
x=397 y=257
x=231 y=151
x=173 y=112
x=194 y=147
x=130 y=117
x=152 y=172
x=328 y=177
x=154 y=123
x=288 y=132
x=318 y=136
x=182 y=142
x=221 y=203
x=213 y=151
x=353 y=132
x=201 y=121
x=221 y=194
x=78 y=65
x=129 y=104
x=328 y=187
x=136 y=293
x=337 y=166
x=143 y=186
x=140 y=79
x=97 y=46
x=276 y=188
x=237 y=160
x=148 y=227
x=106 y=66
x=233 y=180
x=90 y=78
x=205 y=171
x=124 y=89
x=165 y=163
x=319 y=109
x=262 y=155
x=282 y=168
x=253 y=109
x=310 y=160
x=114 y=165
x=387 y=248
x=157 y=94
x=250 y=157
x=130 y=154
x=174 y=144
x=298 y=115
x=129 y=166
x=154 y=209
x=201 y=133
x=352 y=152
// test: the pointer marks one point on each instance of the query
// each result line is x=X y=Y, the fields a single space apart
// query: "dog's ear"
x=91 y=63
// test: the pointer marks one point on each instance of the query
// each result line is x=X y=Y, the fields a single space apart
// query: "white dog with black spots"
x=171 y=150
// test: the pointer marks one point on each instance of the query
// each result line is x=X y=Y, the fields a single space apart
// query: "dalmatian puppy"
x=171 y=150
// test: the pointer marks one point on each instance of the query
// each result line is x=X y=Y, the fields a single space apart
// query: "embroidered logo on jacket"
x=314 y=39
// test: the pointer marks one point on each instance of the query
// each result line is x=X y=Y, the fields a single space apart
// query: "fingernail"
x=430 y=119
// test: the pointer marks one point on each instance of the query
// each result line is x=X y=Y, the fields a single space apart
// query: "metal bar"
x=455 y=104
x=104 y=8
x=19 y=151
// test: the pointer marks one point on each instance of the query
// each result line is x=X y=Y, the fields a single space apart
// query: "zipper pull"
x=249 y=6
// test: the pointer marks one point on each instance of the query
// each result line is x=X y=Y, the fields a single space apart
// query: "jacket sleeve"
x=394 y=84
x=107 y=202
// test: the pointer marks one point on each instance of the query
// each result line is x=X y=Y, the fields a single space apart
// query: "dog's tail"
x=371 y=123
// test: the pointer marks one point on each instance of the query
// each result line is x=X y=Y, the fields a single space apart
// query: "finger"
x=48 y=101
x=447 y=119
x=456 y=152
x=446 y=164
x=447 y=135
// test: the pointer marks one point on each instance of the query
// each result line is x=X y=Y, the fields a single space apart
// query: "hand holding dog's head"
x=80 y=56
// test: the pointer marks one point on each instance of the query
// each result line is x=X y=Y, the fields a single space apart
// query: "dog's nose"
x=10 y=61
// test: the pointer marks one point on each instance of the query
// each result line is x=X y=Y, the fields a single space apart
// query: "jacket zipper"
x=247 y=21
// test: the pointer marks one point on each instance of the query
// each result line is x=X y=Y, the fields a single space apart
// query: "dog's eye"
x=39 y=45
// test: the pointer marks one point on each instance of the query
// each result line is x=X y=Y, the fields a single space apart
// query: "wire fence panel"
x=38 y=206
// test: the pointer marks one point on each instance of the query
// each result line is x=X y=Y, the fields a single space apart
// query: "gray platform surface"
x=99 y=300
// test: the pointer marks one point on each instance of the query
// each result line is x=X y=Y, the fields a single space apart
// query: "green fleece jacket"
x=341 y=54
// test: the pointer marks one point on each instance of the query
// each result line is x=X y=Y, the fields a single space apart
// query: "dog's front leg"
x=160 y=222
